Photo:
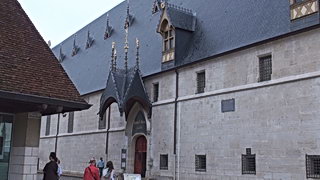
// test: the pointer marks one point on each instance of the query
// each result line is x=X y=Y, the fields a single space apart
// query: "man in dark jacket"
x=51 y=168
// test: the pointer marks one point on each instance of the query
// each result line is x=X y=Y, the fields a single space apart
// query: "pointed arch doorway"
x=140 y=158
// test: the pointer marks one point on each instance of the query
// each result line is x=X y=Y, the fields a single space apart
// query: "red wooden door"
x=140 y=159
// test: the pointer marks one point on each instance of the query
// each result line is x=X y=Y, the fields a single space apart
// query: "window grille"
x=201 y=81
x=70 y=122
x=228 y=105
x=313 y=166
x=123 y=159
x=155 y=92
x=200 y=162
x=248 y=162
x=265 y=68
x=163 y=161
x=48 y=123
x=103 y=121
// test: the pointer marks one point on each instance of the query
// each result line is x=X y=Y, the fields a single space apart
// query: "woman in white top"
x=108 y=173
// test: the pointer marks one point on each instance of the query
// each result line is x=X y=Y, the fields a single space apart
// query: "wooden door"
x=140 y=159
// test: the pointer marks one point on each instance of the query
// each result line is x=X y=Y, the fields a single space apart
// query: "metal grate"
x=155 y=92
x=201 y=81
x=48 y=123
x=248 y=162
x=70 y=122
x=313 y=166
x=265 y=68
x=201 y=164
x=163 y=161
x=123 y=158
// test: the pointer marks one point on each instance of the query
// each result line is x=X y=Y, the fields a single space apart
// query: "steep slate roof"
x=221 y=26
x=181 y=18
x=125 y=89
x=27 y=64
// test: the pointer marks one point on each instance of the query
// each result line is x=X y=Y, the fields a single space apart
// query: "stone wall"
x=277 y=118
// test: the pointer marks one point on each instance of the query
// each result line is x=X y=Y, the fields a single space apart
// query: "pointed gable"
x=27 y=65
x=125 y=90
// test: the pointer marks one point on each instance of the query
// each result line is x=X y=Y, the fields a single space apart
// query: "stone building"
x=32 y=84
x=214 y=90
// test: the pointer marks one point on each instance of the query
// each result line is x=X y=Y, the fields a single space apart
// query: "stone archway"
x=137 y=125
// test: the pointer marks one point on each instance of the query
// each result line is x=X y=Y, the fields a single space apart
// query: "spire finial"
x=126 y=48
x=115 y=60
x=108 y=20
x=137 y=55
x=112 y=56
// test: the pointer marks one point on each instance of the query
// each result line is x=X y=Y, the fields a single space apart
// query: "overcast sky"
x=58 y=19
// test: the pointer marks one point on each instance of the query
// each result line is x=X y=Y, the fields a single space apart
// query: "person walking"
x=91 y=172
x=100 y=166
x=59 y=172
x=108 y=173
x=51 y=168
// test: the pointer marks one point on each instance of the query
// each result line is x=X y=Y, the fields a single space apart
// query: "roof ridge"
x=179 y=8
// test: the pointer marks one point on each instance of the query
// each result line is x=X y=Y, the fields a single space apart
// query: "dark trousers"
x=100 y=170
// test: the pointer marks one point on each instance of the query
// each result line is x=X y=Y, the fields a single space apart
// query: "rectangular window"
x=248 y=162
x=70 y=122
x=201 y=163
x=201 y=81
x=168 y=40
x=48 y=123
x=163 y=161
x=103 y=121
x=313 y=166
x=228 y=105
x=265 y=68
x=155 y=92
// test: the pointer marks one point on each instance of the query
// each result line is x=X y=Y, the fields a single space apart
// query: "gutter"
x=175 y=124
x=108 y=131
x=34 y=99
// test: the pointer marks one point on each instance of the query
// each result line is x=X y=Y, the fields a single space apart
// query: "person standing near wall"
x=100 y=166
x=91 y=172
x=108 y=173
x=51 y=168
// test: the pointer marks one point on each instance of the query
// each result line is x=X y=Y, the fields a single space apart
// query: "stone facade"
x=277 y=119
x=24 y=146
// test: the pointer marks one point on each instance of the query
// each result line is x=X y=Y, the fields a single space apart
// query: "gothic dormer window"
x=302 y=8
x=167 y=32
x=177 y=24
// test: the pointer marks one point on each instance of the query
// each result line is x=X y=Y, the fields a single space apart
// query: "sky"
x=56 y=20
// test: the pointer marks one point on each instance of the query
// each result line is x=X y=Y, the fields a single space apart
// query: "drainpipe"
x=56 y=143
x=175 y=122
x=107 y=139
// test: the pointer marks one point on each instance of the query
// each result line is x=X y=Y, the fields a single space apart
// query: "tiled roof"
x=221 y=26
x=27 y=64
